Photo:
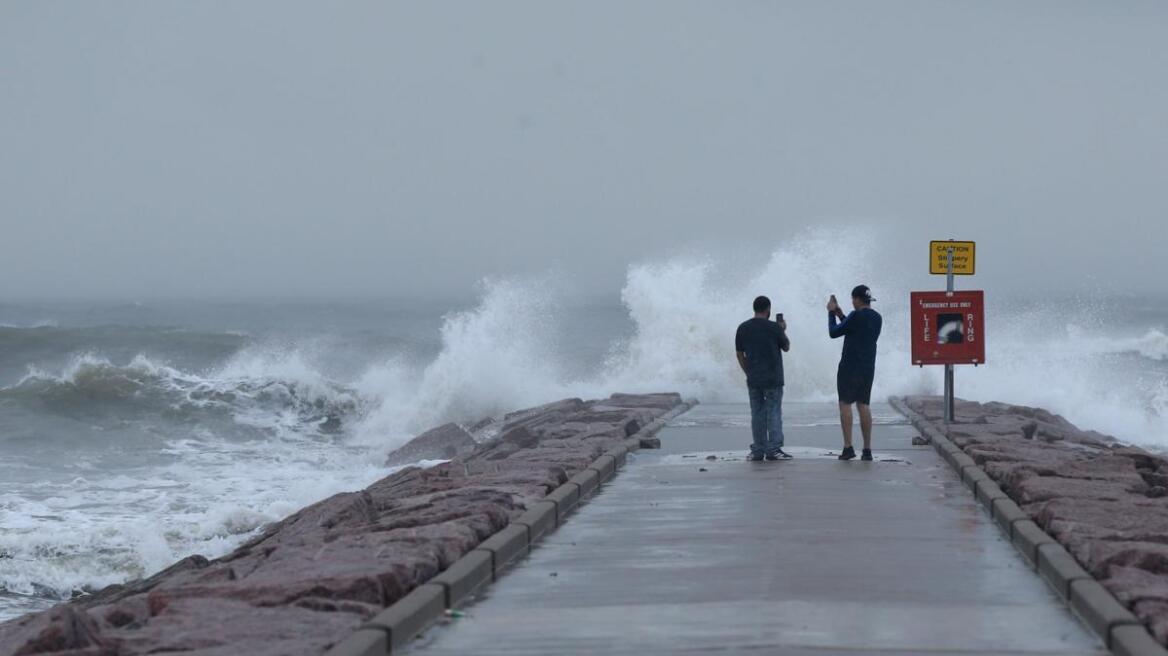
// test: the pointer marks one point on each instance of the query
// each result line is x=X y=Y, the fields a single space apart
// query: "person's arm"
x=842 y=328
x=784 y=341
x=738 y=346
x=833 y=312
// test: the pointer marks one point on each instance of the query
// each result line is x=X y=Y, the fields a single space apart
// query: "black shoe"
x=757 y=457
x=779 y=454
x=866 y=454
x=848 y=453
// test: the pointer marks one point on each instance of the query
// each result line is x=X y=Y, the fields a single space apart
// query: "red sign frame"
x=948 y=327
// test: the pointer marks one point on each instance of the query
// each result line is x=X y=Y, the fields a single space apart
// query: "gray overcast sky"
x=240 y=148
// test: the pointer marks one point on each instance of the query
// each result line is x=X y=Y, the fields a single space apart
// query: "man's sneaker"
x=866 y=454
x=779 y=454
x=756 y=457
x=848 y=453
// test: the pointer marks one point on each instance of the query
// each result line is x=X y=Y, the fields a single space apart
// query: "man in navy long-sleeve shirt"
x=857 y=367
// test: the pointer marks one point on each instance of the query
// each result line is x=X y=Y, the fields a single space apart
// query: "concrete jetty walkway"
x=680 y=554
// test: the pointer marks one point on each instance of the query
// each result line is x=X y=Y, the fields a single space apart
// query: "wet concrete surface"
x=682 y=554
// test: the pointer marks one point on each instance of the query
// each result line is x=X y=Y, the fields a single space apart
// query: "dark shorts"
x=854 y=386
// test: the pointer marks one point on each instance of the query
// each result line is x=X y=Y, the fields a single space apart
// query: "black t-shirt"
x=762 y=341
x=860 y=331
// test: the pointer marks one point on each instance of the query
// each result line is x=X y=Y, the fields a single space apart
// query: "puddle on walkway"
x=703 y=458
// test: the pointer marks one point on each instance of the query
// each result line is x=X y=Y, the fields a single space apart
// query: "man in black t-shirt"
x=760 y=344
x=857 y=367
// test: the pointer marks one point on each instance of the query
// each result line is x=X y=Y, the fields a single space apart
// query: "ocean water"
x=134 y=434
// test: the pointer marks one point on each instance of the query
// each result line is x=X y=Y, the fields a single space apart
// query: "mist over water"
x=137 y=434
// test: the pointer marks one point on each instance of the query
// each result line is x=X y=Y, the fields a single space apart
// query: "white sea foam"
x=72 y=533
x=87 y=533
x=496 y=357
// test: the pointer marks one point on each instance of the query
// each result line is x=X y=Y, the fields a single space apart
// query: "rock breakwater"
x=308 y=581
x=1105 y=502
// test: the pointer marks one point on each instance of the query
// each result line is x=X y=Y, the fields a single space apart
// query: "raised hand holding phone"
x=834 y=308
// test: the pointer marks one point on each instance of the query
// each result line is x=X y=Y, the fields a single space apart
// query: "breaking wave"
x=156 y=463
x=255 y=390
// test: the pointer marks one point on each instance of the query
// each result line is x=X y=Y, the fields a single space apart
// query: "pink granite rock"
x=64 y=629
x=202 y=626
x=442 y=443
x=303 y=583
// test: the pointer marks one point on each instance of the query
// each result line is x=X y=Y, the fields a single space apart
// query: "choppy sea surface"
x=133 y=434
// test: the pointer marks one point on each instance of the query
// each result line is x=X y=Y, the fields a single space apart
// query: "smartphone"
x=779 y=317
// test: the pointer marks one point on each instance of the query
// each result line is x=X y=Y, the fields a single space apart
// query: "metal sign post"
x=948 y=327
x=949 y=403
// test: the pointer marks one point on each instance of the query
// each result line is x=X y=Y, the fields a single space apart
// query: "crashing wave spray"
x=686 y=310
x=497 y=357
x=683 y=311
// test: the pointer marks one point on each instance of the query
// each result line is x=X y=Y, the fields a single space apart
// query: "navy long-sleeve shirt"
x=860 y=330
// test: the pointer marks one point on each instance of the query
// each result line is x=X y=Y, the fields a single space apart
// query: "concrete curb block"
x=1129 y=640
x=1121 y=631
x=947 y=450
x=950 y=456
x=987 y=492
x=465 y=576
x=922 y=425
x=507 y=546
x=410 y=615
x=642 y=439
x=1059 y=568
x=1006 y=513
x=586 y=481
x=604 y=466
x=961 y=462
x=565 y=497
x=933 y=433
x=971 y=475
x=402 y=621
x=619 y=454
x=362 y=642
x=1027 y=537
x=1099 y=609
x=539 y=519
x=940 y=441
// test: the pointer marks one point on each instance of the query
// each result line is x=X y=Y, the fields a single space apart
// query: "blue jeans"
x=766 y=420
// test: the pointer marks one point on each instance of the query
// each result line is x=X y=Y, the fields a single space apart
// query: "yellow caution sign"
x=963 y=257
